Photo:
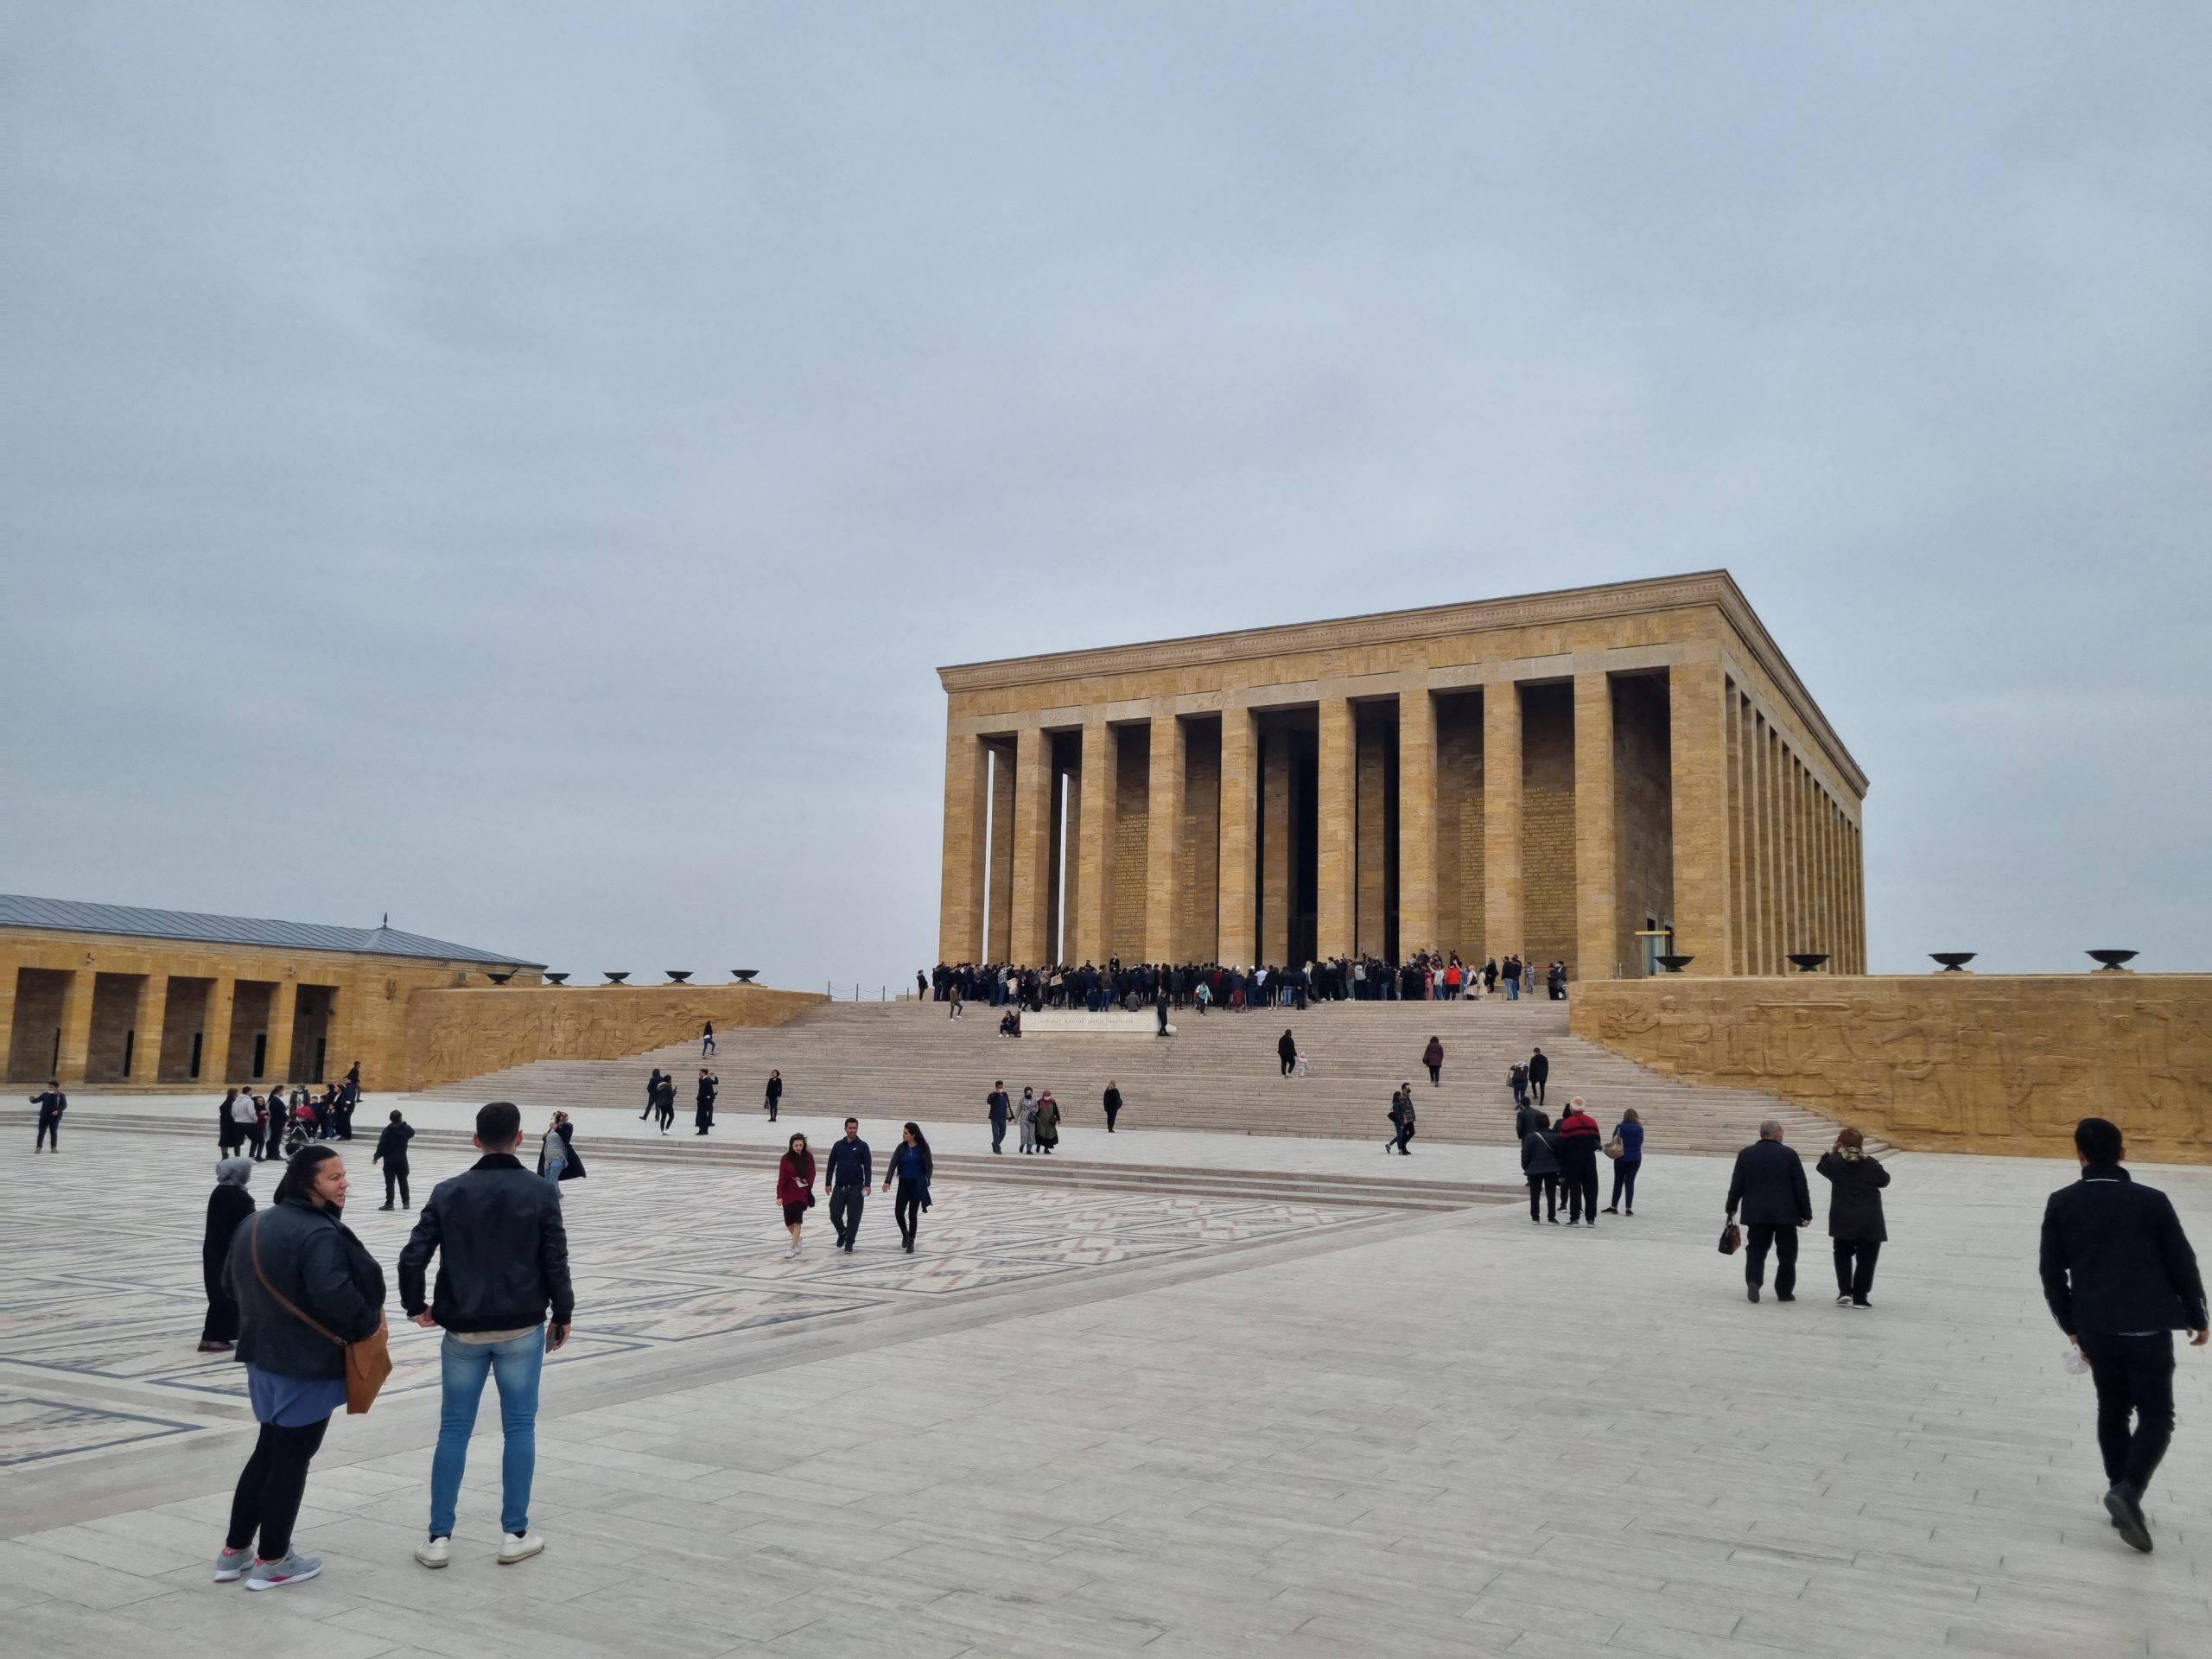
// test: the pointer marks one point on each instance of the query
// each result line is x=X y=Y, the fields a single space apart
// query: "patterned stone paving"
x=103 y=1247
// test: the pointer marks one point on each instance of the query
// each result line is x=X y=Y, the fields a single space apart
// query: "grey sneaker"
x=294 y=1568
x=231 y=1564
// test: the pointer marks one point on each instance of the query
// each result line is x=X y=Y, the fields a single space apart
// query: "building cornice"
x=1716 y=589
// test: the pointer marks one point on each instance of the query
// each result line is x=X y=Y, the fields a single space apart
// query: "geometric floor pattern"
x=102 y=1281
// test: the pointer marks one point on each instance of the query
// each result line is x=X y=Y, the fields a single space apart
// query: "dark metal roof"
x=74 y=916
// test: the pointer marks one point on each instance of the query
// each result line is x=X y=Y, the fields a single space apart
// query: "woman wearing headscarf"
x=1048 y=1121
x=228 y=1205
x=911 y=1166
x=294 y=1263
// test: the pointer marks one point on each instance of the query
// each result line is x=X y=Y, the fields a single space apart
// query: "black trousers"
x=907 y=1210
x=771 y=1103
x=2133 y=1374
x=395 y=1176
x=1402 y=1134
x=1536 y=1088
x=269 y=1489
x=49 y=1128
x=1578 y=1178
x=998 y=1133
x=1855 y=1266
x=1112 y=1112
x=1287 y=1064
x=1436 y=1073
x=1625 y=1180
x=845 y=1203
x=1548 y=1186
x=1782 y=1241
x=222 y=1322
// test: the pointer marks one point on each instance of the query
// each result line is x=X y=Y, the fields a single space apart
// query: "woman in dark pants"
x=909 y=1165
x=1855 y=1184
x=1540 y=1163
x=228 y=1205
x=1629 y=1133
x=1286 y=1052
x=294 y=1262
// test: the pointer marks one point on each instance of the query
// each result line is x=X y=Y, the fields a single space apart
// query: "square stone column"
x=1336 y=821
x=1033 y=829
x=283 y=1014
x=1163 y=872
x=215 y=1032
x=999 y=942
x=1501 y=815
x=1597 y=907
x=76 y=1026
x=1240 y=828
x=152 y=1017
x=1417 y=924
x=1095 y=823
x=967 y=806
x=1696 y=708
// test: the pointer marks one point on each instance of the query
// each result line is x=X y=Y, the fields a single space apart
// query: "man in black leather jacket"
x=506 y=1260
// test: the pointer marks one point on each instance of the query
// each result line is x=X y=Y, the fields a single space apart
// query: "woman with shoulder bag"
x=1626 y=1150
x=795 y=1188
x=307 y=1291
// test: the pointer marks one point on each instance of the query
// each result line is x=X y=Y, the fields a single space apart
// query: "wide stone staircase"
x=1218 y=1072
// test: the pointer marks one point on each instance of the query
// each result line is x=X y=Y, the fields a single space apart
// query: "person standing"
x=391 y=1152
x=503 y=1263
x=998 y=1105
x=909 y=1165
x=1540 y=1068
x=2120 y=1278
x=1025 y=1117
x=228 y=1206
x=1112 y=1100
x=51 y=1104
x=1286 y=1052
x=293 y=1263
x=702 y=1115
x=1577 y=1136
x=267 y=1133
x=1160 y=1006
x=1769 y=1183
x=795 y=1188
x=706 y=1040
x=775 y=1094
x=847 y=1175
x=1512 y=975
x=652 y=1096
x=1540 y=1165
x=558 y=1158
x=1048 y=1121
x=247 y=1123
x=1628 y=1135
x=1433 y=1058
x=1855 y=1229
x=226 y=1127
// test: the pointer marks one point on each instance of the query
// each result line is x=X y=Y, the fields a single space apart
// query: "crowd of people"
x=276 y=1124
x=1425 y=978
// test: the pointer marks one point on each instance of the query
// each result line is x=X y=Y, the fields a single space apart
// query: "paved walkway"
x=1455 y=1434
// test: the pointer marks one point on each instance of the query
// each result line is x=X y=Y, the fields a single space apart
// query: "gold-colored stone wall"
x=1938 y=1062
x=1644 y=791
x=454 y=1034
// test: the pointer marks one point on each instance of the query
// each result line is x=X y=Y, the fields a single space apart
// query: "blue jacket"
x=1631 y=1139
x=847 y=1165
x=908 y=1164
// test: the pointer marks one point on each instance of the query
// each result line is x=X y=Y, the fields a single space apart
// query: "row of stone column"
x=146 y=1023
x=1795 y=854
x=1704 y=877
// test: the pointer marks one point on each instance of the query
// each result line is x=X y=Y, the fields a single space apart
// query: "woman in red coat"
x=795 y=1188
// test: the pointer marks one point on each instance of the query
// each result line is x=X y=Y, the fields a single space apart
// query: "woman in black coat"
x=228 y=1205
x=1855 y=1184
x=1286 y=1052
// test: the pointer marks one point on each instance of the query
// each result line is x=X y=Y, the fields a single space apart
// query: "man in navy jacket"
x=846 y=1174
x=2121 y=1278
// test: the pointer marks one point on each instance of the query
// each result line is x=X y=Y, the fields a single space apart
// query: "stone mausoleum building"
x=120 y=995
x=1594 y=776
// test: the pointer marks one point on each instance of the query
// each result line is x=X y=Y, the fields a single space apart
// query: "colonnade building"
x=1598 y=776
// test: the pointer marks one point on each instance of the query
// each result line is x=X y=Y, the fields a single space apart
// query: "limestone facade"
x=1984 y=1063
x=1589 y=776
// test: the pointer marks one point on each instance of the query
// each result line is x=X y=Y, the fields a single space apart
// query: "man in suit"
x=1770 y=1185
x=2121 y=1278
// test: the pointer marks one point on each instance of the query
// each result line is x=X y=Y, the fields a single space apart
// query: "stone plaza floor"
x=1103 y=1422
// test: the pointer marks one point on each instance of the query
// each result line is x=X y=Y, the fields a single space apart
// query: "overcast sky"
x=518 y=467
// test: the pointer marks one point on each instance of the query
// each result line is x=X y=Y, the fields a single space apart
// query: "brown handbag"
x=368 y=1362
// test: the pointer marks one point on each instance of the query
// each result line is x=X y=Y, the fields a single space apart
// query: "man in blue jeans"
x=506 y=1262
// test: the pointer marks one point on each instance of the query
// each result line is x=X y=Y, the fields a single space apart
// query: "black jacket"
x=507 y=1252
x=1854 y=1198
x=1769 y=1184
x=847 y=1165
x=1540 y=1068
x=1524 y=1122
x=1540 y=1152
x=572 y=1162
x=391 y=1146
x=314 y=1261
x=2114 y=1258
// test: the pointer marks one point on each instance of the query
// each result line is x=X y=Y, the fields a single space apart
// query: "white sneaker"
x=518 y=1546
x=789 y=1255
x=437 y=1552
